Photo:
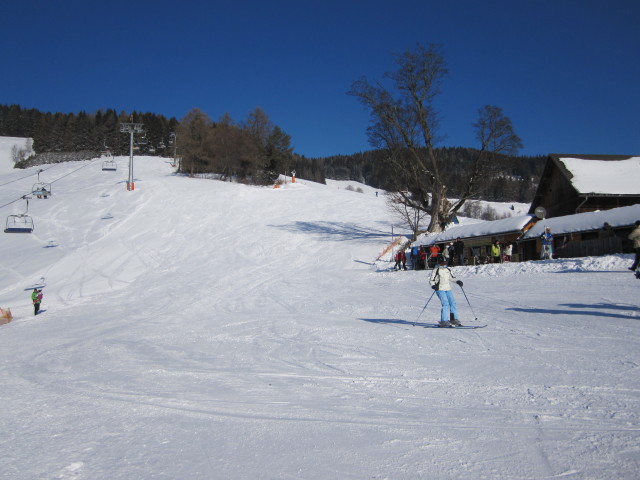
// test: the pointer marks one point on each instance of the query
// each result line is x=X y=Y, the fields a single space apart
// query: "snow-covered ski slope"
x=196 y=329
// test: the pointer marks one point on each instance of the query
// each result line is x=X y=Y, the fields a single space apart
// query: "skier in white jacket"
x=634 y=236
x=440 y=281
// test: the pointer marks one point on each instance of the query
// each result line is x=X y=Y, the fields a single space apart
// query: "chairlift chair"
x=19 y=223
x=109 y=166
x=41 y=189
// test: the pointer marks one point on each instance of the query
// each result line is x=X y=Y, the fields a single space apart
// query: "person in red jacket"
x=397 y=258
x=401 y=260
x=422 y=259
x=434 y=250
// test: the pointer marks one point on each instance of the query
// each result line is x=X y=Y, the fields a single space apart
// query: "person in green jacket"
x=36 y=298
x=495 y=252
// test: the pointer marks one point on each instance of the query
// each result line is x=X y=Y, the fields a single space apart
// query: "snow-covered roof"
x=582 y=222
x=481 y=229
x=609 y=177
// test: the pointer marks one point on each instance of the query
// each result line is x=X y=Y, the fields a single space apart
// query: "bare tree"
x=20 y=154
x=404 y=123
x=407 y=214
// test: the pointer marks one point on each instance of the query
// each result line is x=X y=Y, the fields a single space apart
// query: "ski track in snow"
x=201 y=329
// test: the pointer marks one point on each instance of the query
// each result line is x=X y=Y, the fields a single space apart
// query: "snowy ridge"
x=198 y=329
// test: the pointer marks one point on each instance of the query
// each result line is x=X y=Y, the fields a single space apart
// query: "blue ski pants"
x=448 y=304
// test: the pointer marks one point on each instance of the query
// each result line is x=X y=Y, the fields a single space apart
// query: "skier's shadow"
x=397 y=321
x=610 y=306
x=548 y=311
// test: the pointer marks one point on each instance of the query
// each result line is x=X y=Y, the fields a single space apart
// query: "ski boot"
x=454 y=321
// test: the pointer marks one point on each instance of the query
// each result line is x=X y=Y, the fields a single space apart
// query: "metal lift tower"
x=131 y=128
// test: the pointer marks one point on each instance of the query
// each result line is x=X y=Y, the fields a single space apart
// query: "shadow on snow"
x=548 y=311
x=340 y=231
x=397 y=321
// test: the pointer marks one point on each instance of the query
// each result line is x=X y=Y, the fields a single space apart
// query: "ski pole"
x=465 y=296
x=424 y=308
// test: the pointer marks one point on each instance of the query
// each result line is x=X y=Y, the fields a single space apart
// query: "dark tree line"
x=72 y=132
x=512 y=179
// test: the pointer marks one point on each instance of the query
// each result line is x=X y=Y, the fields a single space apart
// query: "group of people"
x=401 y=260
x=498 y=252
x=423 y=257
x=454 y=253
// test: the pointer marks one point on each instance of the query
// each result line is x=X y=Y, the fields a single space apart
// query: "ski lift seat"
x=41 y=190
x=109 y=166
x=21 y=223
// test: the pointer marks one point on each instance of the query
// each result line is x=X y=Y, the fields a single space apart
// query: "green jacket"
x=36 y=297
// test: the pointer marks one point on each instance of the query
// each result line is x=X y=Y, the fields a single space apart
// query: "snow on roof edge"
x=580 y=222
x=481 y=229
x=607 y=175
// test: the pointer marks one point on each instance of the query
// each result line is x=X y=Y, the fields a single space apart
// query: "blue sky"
x=565 y=71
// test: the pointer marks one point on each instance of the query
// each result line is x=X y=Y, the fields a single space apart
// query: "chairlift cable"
x=74 y=171
x=60 y=178
x=13 y=201
x=15 y=180
x=22 y=178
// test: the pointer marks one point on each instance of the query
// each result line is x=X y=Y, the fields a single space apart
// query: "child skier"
x=547 y=244
x=36 y=298
x=440 y=281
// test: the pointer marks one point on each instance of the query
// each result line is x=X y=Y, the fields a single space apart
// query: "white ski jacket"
x=635 y=236
x=443 y=276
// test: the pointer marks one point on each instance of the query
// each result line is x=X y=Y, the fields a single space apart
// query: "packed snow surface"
x=196 y=329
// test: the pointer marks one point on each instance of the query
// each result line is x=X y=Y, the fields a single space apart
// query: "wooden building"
x=584 y=183
x=590 y=203
x=583 y=234
x=478 y=237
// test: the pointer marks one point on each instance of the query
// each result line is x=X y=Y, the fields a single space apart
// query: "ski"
x=452 y=327
x=460 y=327
x=468 y=327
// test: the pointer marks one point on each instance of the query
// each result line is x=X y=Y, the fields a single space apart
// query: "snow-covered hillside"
x=196 y=329
x=7 y=145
